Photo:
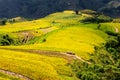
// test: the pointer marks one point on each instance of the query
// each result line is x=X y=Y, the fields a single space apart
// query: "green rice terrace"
x=61 y=46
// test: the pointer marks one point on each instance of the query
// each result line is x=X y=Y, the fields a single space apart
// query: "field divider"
x=16 y=75
x=116 y=30
x=66 y=55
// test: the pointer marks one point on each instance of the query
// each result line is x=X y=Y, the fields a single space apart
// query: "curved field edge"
x=35 y=66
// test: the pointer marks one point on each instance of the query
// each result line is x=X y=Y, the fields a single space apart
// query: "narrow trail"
x=75 y=57
x=22 y=77
x=47 y=30
x=116 y=30
x=66 y=55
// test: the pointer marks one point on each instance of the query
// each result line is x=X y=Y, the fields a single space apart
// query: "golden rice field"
x=36 y=67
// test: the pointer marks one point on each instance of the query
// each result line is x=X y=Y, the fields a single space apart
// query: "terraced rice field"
x=61 y=32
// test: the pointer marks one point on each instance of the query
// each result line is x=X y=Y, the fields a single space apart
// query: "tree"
x=3 y=22
x=88 y=11
x=6 y=40
x=99 y=26
x=76 y=12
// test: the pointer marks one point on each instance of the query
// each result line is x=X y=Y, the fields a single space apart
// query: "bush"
x=97 y=19
x=89 y=19
x=111 y=33
x=96 y=71
x=103 y=18
x=88 y=76
x=6 y=40
x=105 y=67
x=111 y=43
x=3 y=22
x=88 y=11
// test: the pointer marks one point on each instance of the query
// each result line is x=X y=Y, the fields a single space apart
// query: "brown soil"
x=22 y=77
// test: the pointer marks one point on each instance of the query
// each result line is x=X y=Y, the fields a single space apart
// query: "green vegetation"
x=105 y=63
x=96 y=19
x=3 y=21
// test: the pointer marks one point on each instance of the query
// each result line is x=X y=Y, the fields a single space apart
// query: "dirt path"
x=46 y=30
x=25 y=36
x=22 y=77
x=64 y=55
x=116 y=30
x=75 y=57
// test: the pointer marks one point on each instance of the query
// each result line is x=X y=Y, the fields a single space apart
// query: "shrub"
x=111 y=33
x=3 y=22
x=97 y=19
x=76 y=12
x=89 y=19
x=111 y=43
x=88 y=11
x=44 y=40
x=6 y=40
x=103 y=18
